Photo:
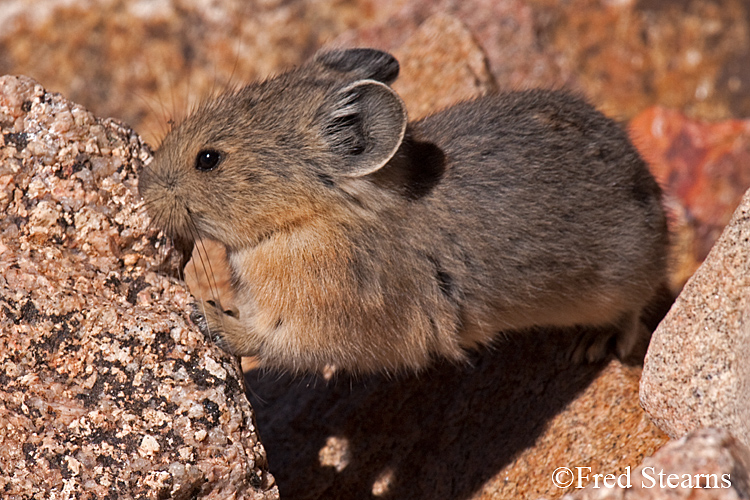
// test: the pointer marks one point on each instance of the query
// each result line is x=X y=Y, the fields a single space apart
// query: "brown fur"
x=359 y=240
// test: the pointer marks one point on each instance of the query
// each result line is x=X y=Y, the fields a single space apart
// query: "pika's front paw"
x=213 y=321
x=198 y=318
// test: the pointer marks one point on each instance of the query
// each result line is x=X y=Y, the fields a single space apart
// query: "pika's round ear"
x=364 y=126
x=365 y=64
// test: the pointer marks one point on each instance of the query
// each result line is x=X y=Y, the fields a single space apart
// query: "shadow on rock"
x=440 y=434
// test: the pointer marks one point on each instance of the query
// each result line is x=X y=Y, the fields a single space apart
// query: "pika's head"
x=272 y=154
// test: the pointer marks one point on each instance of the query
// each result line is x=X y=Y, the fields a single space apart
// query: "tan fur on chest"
x=294 y=278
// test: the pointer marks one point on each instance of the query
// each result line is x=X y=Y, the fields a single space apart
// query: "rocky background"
x=74 y=343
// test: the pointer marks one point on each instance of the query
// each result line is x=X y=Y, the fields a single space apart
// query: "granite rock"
x=146 y=61
x=136 y=59
x=704 y=464
x=697 y=371
x=628 y=55
x=506 y=30
x=625 y=55
x=107 y=389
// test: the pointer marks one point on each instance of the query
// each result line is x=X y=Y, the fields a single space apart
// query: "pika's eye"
x=208 y=159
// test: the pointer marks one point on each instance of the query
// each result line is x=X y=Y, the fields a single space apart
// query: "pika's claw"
x=198 y=318
x=211 y=320
x=623 y=338
x=218 y=324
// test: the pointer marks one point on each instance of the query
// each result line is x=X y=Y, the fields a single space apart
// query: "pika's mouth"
x=175 y=261
x=185 y=247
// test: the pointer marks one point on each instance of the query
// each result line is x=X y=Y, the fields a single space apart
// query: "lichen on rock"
x=106 y=389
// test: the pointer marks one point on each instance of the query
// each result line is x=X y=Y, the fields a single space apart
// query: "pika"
x=359 y=239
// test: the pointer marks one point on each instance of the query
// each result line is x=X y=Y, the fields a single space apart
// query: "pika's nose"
x=150 y=179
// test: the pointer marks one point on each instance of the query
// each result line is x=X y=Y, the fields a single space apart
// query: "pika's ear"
x=364 y=127
x=364 y=64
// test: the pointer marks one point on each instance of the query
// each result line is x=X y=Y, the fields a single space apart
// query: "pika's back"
x=548 y=152
x=543 y=195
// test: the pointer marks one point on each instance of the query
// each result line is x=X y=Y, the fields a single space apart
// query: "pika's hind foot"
x=628 y=338
x=592 y=345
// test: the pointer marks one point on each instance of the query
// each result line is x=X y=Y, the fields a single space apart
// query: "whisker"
x=199 y=294
x=172 y=95
x=205 y=264
x=230 y=82
x=164 y=115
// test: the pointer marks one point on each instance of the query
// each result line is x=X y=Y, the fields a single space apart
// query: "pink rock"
x=506 y=30
x=441 y=64
x=106 y=389
x=697 y=370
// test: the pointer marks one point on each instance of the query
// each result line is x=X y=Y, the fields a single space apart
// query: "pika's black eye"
x=208 y=159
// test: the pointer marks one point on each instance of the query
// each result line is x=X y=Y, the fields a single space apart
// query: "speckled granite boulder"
x=697 y=370
x=705 y=464
x=106 y=389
